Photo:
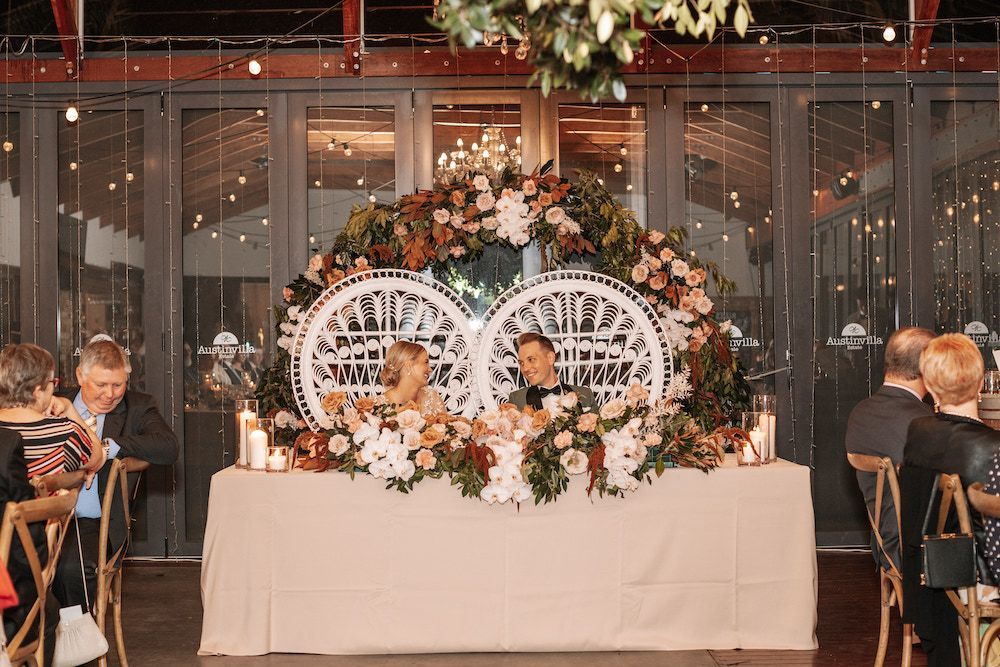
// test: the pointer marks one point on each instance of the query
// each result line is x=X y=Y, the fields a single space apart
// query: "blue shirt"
x=88 y=505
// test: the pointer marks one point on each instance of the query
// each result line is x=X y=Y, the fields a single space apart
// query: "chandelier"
x=490 y=157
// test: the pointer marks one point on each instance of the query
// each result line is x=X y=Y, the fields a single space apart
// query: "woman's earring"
x=937 y=407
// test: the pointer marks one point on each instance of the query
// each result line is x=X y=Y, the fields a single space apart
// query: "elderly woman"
x=55 y=437
x=952 y=441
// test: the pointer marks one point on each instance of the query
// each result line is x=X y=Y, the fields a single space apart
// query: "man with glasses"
x=129 y=425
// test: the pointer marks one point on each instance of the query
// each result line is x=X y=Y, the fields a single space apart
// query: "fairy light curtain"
x=10 y=229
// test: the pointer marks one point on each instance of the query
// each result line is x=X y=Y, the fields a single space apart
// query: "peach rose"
x=410 y=420
x=425 y=459
x=652 y=439
x=457 y=221
x=659 y=281
x=333 y=401
x=587 y=422
x=529 y=187
x=545 y=199
x=679 y=267
x=456 y=251
x=654 y=264
x=555 y=215
x=462 y=428
x=458 y=198
x=655 y=237
x=485 y=201
x=399 y=229
x=472 y=226
x=411 y=440
x=287 y=294
x=364 y=405
x=441 y=216
x=563 y=440
x=636 y=394
x=613 y=409
x=540 y=420
x=481 y=182
x=479 y=429
x=666 y=254
x=640 y=272
x=568 y=400
x=695 y=277
x=431 y=437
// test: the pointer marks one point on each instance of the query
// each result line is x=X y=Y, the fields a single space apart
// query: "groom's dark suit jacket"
x=877 y=426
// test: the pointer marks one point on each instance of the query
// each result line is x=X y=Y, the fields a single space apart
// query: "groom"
x=536 y=355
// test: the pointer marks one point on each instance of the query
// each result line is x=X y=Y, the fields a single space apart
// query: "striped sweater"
x=52 y=445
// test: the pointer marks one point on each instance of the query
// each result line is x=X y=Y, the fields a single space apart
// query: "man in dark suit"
x=536 y=355
x=129 y=425
x=877 y=425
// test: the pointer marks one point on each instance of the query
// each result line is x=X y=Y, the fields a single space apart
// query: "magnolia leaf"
x=741 y=20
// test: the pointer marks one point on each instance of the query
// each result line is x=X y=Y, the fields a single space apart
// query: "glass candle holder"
x=758 y=449
x=989 y=400
x=764 y=403
x=246 y=421
x=258 y=442
x=279 y=459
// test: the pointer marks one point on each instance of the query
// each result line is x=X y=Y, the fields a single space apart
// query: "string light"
x=8 y=146
x=73 y=166
x=241 y=179
x=312 y=239
x=889 y=32
x=347 y=150
x=254 y=67
x=243 y=238
x=215 y=235
x=129 y=177
x=194 y=225
x=72 y=113
x=112 y=185
x=198 y=217
x=232 y=197
x=361 y=181
x=264 y=221
x=622 y=150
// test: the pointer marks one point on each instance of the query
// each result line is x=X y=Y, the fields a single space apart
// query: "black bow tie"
x=536 y=394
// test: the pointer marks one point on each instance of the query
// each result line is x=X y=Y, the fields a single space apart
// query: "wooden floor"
x=163 y=626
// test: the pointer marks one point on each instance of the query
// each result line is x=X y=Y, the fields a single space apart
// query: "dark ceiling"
x=405 y=17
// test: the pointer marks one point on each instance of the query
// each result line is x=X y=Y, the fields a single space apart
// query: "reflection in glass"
x=966 y=199
x=101 y=236
x=351 y=162
x=481 y=280
x=853 y=238
x=226 y=266
x=10 y=230
x=609 y=140
x=728 y=217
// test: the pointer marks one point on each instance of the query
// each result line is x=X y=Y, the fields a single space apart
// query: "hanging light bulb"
x=725 y=237
x=72 y=113
x=73 y=166
x=264 y=221
x=889 y=32
x=763 y=39
x=618 y=167
x=622 y=150
x=232 y=197
x=704 y=108
x=876 y=104
x=241 y=179
x=129 y=177
x=736 y=204
x=697 y=225
x=628 y=188
x=460 y=143
x=243 y=238
x=194 y=225
x=331 y=145
x=317 y=183
x=8 y=146
x=260 y=112
x=734 y=195
x=312 y=239
x=112 y=185
x=198 y=217
x=361 y=181
x=215 y=235
x=749 y=229
x=347 y=150
x=254 y=67
x=371 y=198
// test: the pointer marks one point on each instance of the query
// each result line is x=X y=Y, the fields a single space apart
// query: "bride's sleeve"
x=431 y=402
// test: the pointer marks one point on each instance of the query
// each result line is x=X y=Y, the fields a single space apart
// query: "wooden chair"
x=972 y=612
x=890 y=578
x=109 y=566
x=56 y=511
x=46 y=485
x=989 y=506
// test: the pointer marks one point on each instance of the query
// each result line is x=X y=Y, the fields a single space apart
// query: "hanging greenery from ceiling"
x=580 y=45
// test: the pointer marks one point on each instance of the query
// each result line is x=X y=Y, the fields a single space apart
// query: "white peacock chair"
x=345 y=334
x=606 y=335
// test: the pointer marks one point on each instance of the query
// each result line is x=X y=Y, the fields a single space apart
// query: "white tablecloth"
x=318 y=563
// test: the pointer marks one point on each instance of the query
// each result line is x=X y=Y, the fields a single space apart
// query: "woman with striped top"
x=55 y=437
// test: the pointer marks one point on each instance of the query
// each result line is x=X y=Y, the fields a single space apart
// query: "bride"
x=405 y=376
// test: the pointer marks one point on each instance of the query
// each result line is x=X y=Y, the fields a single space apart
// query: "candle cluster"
x=255 y=441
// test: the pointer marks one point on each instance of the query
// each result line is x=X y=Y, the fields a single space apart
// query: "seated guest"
x=55 y=437
x=14 y=487
x=954 y=441
x=536 y=356
x=878 y=425
x=130 y=425
x=404 y=378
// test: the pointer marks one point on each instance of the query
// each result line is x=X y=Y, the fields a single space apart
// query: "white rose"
x=316 y=262
x=295 y=313
x=613 y=409
x=284 y=419
x=410 y=420
x=485 y=201
x=339 y=444
x=679 y=268
x=481 y=182
x=574 y=461
x=569 y=400
x=411 y=440
x=555 y=215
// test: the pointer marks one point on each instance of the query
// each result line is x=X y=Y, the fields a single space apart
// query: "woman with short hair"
x=955 y=442
x=56 y=439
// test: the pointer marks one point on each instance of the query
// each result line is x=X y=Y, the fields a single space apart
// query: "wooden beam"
x=926 y=12
x=438 y=61
x=65 y=15
x=351 y=11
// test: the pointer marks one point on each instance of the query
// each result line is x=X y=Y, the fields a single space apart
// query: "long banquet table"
x=318 y=563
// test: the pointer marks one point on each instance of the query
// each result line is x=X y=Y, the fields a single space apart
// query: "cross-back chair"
x=56 y=512
x=890 y=577
x=110 y=564
x=988 y=505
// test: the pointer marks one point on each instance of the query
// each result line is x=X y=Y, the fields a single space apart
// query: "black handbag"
x=947 y=560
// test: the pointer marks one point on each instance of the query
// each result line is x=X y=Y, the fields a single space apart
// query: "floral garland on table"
x=433 y=229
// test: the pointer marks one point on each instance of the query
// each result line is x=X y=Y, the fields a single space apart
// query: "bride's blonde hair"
x=401 y=353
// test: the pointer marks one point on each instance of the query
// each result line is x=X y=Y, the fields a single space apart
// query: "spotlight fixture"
x=72 y=113
x=254 y=67
x=889 y=32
